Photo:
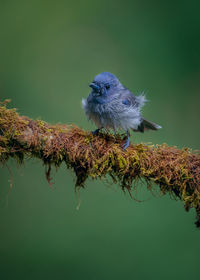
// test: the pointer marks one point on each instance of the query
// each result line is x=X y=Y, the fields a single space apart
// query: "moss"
x=175 y=171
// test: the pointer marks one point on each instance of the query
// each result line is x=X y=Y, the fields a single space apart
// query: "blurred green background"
x=49 y=53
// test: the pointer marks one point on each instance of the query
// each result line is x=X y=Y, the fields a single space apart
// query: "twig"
x=175 y=171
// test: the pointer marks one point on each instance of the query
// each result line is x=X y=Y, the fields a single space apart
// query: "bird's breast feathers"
x=114 y=114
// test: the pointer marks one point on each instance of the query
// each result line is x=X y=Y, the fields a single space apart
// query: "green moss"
x=175 y=171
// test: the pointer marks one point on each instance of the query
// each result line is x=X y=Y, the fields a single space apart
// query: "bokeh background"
x=49 y=53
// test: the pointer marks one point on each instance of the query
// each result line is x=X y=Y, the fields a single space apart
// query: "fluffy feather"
x=114 y=106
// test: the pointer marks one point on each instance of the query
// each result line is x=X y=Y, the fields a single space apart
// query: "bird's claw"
x=126 y=144
x=95 y=132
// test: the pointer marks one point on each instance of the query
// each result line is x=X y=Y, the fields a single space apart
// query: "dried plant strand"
x=175 y=171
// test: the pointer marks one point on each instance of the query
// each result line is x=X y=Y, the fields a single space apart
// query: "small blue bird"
x=112 y=106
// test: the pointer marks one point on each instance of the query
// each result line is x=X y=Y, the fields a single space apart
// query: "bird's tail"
x=146 y=125
x=151 y=125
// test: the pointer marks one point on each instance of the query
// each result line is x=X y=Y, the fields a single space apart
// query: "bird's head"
x=104 y=84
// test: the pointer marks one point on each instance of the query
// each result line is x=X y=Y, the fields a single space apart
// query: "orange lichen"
x=176 y=171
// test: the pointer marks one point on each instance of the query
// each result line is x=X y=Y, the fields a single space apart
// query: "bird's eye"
x=107 y=86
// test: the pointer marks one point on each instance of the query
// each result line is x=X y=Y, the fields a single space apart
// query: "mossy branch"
x=175 y=171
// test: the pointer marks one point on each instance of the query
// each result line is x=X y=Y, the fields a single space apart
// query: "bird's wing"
x=129 y=99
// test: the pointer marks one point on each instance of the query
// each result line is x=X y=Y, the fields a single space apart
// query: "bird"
x=110 y=105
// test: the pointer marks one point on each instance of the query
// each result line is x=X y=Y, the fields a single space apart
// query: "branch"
x=175 y=171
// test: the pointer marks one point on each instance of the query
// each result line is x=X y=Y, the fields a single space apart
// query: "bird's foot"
x=126 y=144
x=96 y=131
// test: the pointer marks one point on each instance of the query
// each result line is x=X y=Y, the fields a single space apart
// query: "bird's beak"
x=95 y=87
